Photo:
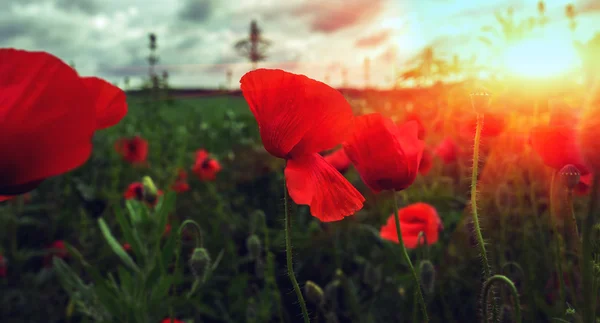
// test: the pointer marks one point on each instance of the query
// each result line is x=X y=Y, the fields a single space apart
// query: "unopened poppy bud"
x=150 y=191
x=480 y=100
x=200 y=262
x=254 y=246
x=314 y=293
x=570 y=176
x=372 y=276
x=427 y=273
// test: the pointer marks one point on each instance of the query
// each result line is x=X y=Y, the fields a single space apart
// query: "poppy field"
x=286 y=199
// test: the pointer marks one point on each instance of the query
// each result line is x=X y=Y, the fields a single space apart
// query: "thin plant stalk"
x=419 y=293
x=553 y=219
x=587 y=274
x=513 y=290
x=574 y=226
x=288 y=254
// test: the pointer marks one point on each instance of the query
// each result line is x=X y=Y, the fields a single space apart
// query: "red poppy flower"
x=493 y=125
x=588 y=133
x=415 y=218
x=133 y=150
x=557 y=146
x=386 y=156
x=447 y=151
x=181 y=174
x=56 y=249
x=426 y=162
x=339 y=160
x=136 y=191
x=205 y=168
x=3 y=266
x=49 y=115
x=584 y=185
x=168 y=320
x=180 y=187
x=299 y=117
x=167 y=230
x=127 y=246
x=411 y=116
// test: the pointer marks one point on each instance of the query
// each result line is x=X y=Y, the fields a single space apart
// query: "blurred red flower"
x=584 y=185
x=56 y=249
x=412 y=116
x=133 y=150
x=414 y=218
x=299 y=117
x=426 y=162
x=127 y=246
x=181 y=184
x=49 y=115
x=205 y=168
x=557 y=146
x=447 y=150
x=3 y=266
x=135 y=191
x=588 y=133
x=168 y=320
x=385 y=155
x=339 y=160
x=167 y=230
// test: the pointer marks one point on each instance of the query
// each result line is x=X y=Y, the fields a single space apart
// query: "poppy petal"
x=296 y=115
x=312 y=181
x=111 y=104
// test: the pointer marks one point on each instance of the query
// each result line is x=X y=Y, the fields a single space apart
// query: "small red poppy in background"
x=299 y=117
x=205 y=167
x=385 y=155
x=339 y=160
x=167 y=230
x=426 y=162
x=557 y=146
x=168 y=320
x=181 y=184
x=133 y=150
x=56 y=249
x=415 y=218
x=48 y=117
x=493 y=125
x=412 y=116
x=126 y=246
x=447 y=150
x=3 y=266
x=136 y=191
x=584 y=185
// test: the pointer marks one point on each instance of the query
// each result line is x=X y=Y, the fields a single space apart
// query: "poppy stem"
x=587 y=273
x=513 y=290
x=475 y=217
x=288 y=254
x=553 y=219
x=419 y=293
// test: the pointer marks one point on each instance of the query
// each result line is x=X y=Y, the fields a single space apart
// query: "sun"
x=540 y=57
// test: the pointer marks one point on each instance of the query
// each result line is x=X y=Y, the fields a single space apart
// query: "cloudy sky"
x=109 y=38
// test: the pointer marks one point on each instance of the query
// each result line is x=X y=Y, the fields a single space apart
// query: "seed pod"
x=314 y=293
x=200 y=263
x=480 y=101
x=254 y=246
x=570 y=176
x=427 y=273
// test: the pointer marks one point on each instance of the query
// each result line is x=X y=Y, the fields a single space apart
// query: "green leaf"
x=162 y=213
x=134 y=212
x=131 y=235
x=116 y=247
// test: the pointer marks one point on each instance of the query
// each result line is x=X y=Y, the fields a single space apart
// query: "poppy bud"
x=150 y=191
x=570 y=176
x=200 y=262
x=314 y=293
x=372 y=276
x=427 y=272
x=480 y=101
x=254 y=246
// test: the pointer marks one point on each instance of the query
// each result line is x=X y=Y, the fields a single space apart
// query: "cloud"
x=85 y=6
x=196 y=10
x=374 y=40
x=331 y=16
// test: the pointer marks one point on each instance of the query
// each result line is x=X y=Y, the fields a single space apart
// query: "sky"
x=318 y=38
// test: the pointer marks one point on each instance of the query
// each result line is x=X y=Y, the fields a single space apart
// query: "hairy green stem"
x=587 y=274
x=288 y=253
x=419 y=293
x=553 y=219
x=513 y=290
